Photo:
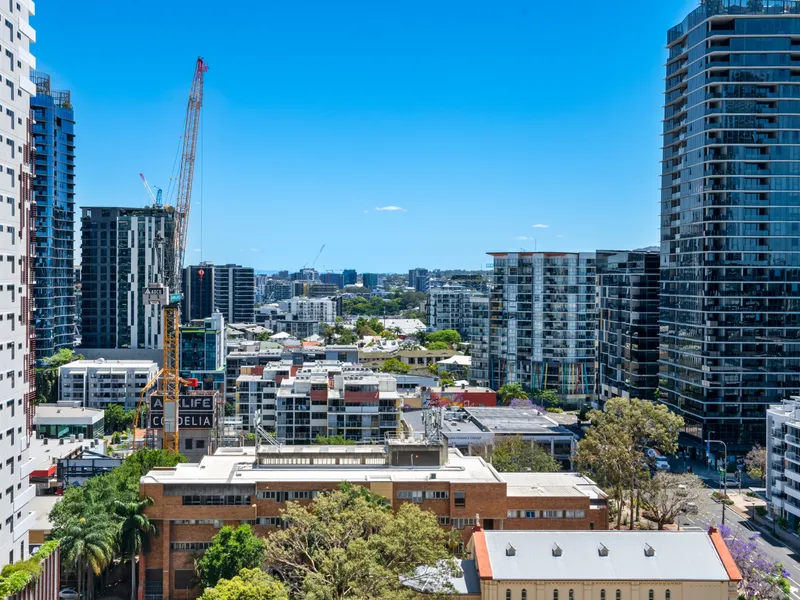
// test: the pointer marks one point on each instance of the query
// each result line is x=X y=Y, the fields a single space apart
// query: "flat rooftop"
x=102 y=362
x=238 y=468
x=51 y=413
x=504 y=419
x=42 y=505
x=552 y=484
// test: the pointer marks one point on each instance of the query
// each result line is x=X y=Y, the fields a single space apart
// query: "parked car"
x=691 y=508
x=731 y=480
x=658 y=461
x=68 y=594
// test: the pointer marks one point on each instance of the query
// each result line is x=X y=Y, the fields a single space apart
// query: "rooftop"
x=238 y=468
x=102 y=362
x=552 y=484
x=602 y=556
x=504 y=419
x=42 y=505
x=52 y=413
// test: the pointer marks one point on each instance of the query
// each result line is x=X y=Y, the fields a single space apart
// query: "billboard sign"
x=194 y=412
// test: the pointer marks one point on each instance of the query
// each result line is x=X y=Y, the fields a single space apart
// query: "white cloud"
x=197 y=250
x=390 y=207
x=523 y=238
x=366 y=211
x=540 y=226
x=255 y=250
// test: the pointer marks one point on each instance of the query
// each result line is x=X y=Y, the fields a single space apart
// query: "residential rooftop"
x=102 y=362
x=46 y=413
x=504 y=419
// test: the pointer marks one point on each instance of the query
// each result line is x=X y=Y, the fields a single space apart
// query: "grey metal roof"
x=679 y=556
x=431 y=580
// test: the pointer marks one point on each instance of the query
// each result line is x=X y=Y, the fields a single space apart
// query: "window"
x=508 y=594
x=619 y=595
x=444 y=520
x=189 y=545
x=667 y=595
x=413 y=495
x=461 y=499
x=571 y=595
x=552 y=514
x=283 y=496
x=524 y=595
x=187 y=444
x=602 y=595
x=651 y=595
x=575 y=514
x=461 y=523
x=531 y=514
x=198 y=444
x=437 y=495
x=555 y=594
x=270 y=521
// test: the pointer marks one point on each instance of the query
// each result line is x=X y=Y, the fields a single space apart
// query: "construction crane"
x=156 y=198
x=316 y=258
x=168 y=293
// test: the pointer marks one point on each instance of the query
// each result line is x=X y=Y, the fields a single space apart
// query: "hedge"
x=16 y=577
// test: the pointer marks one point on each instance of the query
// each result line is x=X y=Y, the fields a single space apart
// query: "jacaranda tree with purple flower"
x=762 y=577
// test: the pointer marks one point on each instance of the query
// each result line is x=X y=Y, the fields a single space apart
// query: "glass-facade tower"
x=54 y=196
x=730 y=218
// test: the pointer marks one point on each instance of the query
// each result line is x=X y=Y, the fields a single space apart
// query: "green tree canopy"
x=344 y=546
x=231 y=551
x=134 y=533
x=263 y=336
x=393 y=365
x=87 y=545
x=249 y=584
x=510 y=391
x=614 y=450
x=546 y=398
x=333 y=440
x=515 y=455
x=448 y=336
x=61 y=358
x=437 y=346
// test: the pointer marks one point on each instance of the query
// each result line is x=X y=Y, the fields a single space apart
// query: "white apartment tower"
x=17 y=352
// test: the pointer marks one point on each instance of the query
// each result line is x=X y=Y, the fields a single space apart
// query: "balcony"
x=22 y=527
x=22 y=499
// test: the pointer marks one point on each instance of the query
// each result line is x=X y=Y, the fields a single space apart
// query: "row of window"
x=283 y=496
x=417 y=496
x=216 y=500
x=546 y=514
x=189 y=545
x=651 y=595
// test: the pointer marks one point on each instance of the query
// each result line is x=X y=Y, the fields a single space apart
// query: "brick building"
x=251 y=485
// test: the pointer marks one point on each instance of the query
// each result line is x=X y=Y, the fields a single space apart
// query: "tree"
x=547 y=398
x=394 y=365
x=249 y=584
x=512 y=454
x=47 y=375
x=61 y=358
x=614 y=449
x=668 y=495
x=134 y=532
x=333 y=440
x=438 y=346
x=756 y=462
x=510 y=391
x=343 y=546
x=263 y=336
x=87 y=546
x=448 y=336
x=117 y=419
x=231 y=551
x=447 y=380
x=762 y=577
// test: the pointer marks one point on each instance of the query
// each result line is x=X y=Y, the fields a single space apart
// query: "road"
x=710 y=513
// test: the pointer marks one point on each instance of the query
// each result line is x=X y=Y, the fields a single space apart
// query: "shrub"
x=751 y=494
x=583 y=413
x=555 y=410
x=761 y=511
x=116 y=438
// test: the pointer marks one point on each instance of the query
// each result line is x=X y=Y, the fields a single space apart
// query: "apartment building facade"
x=315 y=310
x=227 y=289
x=122 y=251
x=302 y=401
x=98 y=383
x=783 y=460
x=419 y=279
x=202 y=352
x=479 y=340
x=542 y=322
x=54 y=194
x=730 y=268
x=627 y=294
x=252 y=485
x=450 y=307
x=17 y=250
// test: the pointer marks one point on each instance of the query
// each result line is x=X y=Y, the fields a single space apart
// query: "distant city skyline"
x=459 y=129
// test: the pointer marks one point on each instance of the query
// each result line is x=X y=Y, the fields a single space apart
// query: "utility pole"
x=723 y=475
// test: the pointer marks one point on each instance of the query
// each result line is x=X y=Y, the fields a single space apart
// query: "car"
x=731 y=481
x=691 y=508
x=68 y=594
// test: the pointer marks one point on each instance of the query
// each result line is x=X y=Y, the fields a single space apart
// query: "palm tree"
x=88 y=541
x=134 y=532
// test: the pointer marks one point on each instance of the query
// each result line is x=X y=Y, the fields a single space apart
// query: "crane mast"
x=168 y=294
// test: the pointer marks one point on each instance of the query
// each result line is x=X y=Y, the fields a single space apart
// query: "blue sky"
x=486 y=126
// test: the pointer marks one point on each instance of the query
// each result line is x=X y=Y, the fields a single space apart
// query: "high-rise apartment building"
x=122 y=251
x=17 y=248
x=449 y=307
x=227 y=289
x=350 y=277
x=730 y=266
x=479 y=339
x=54 y=194
x=419 y=279
x=332 y=278
x=627 y=296
x=370 y=280
x=542 y=321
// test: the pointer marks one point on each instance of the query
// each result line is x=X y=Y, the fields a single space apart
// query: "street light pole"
x=724 y=477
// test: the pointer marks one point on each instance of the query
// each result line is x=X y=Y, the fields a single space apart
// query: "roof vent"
x=556 y=550
x=602 y=550
x=649 y=550
x=510 y=550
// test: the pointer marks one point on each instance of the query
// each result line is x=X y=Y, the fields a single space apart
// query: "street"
x=710 y=513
